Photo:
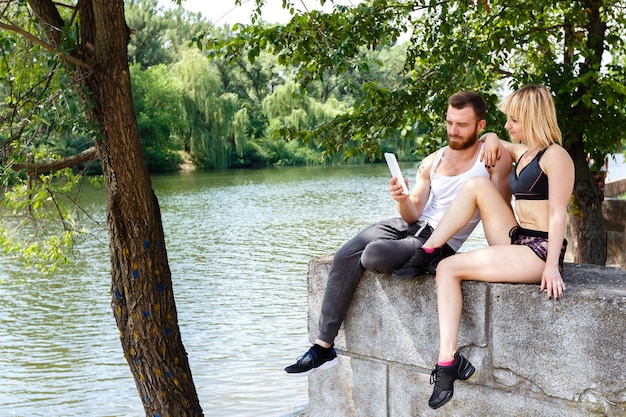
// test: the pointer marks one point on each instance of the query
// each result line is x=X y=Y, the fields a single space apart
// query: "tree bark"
x=142 y=294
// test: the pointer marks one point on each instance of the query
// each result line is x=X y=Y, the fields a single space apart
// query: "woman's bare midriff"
x=532 y=214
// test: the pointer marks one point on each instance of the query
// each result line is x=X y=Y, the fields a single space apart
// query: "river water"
x=238 y=244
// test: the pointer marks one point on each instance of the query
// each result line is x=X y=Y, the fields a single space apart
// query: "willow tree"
x=215 y=121
x=287 y=107
x=487 y=45
x=88 y=41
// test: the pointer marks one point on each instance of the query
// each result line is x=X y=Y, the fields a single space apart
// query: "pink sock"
x=446 y=363
x=428 y=250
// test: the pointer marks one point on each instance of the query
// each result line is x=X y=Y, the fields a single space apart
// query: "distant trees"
x=232 y=113
x=156 y=98
x=217 y=113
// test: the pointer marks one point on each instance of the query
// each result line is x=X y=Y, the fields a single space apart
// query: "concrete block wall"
x=533 y=356
x=615 y=188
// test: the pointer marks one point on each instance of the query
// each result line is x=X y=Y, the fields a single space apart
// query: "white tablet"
x=392 y=162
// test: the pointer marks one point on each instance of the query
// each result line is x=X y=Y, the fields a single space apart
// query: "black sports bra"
x=532 y=182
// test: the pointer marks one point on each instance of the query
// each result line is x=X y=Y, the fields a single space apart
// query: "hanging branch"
x=33 y=169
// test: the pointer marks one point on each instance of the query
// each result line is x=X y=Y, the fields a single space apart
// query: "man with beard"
x=390 y=244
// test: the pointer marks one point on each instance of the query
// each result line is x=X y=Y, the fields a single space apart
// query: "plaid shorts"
x=537 y=241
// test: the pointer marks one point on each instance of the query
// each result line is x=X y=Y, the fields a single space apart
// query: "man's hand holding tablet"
x=392 y=162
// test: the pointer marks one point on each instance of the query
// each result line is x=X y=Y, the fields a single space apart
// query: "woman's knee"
x=447 y=271
x=477 y=183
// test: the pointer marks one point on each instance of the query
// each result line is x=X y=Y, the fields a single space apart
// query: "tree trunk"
x=142 y=295
x=588 y=236
x=586 y=223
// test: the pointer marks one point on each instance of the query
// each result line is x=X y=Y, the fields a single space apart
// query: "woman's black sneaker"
x=444 y=376
x=420 y=262
x=315 y=358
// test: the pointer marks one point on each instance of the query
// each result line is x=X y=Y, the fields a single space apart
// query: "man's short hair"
x=464 y=99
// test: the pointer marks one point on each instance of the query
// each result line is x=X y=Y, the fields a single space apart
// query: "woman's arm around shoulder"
x=492 y=150
x=499 y=174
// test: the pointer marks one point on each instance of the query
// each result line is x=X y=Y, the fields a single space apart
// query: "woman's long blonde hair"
x=533 y=107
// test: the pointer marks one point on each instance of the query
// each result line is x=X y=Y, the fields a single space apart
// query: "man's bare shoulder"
x=427 y=164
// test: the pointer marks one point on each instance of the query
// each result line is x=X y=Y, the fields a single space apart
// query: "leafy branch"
x=46 y=46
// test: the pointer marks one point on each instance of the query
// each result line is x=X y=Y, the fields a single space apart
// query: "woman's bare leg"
x=496 y=214
x=449 y=307
x=503 y=263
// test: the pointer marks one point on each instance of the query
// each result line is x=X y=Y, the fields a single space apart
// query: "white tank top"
x=443 y=189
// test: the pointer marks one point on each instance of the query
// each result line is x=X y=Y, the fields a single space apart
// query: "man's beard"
x=467 y=142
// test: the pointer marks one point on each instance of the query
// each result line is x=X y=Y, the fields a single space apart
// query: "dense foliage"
x=41 y=119
x=214 y=114
x=237 y=112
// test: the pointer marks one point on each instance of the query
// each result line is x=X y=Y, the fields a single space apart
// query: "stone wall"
x=533 y=357
x=615 y=188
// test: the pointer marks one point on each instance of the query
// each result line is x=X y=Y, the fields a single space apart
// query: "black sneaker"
x=315 y=358
x=444 y=376
x=419 y=263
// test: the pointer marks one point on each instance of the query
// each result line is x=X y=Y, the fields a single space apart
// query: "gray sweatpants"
x=382 y=248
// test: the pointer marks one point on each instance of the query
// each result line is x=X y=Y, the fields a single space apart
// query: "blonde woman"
x=525 y=246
